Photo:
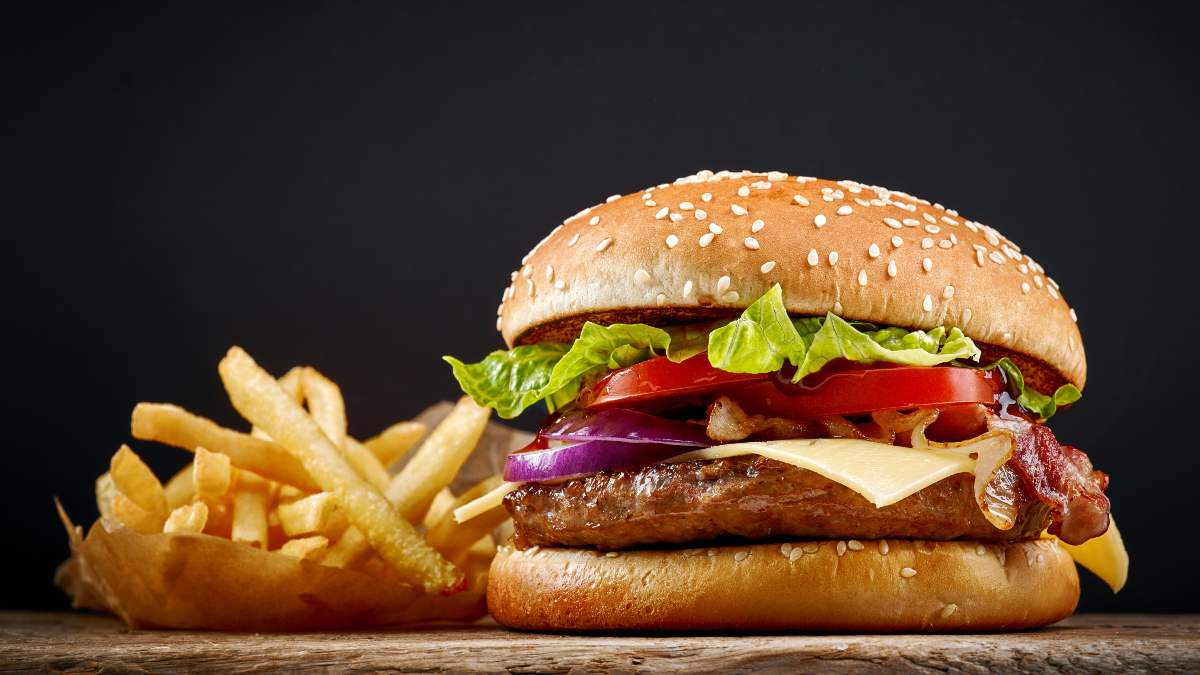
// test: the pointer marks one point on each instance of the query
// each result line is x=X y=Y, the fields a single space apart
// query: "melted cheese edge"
x=1105 y=556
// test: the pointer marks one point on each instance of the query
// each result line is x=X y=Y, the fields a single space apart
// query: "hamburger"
x=787 y=403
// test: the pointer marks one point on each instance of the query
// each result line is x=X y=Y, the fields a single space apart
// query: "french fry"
x=325 y=404
x=430 y=469
x=307 y=548
x=179 y=489
x=212 y=473
x=220 y=516
x=441 y=505
x=365 y=463
x=453 y=538
x=307 y=515
x=136 y=481
x=290 y=383
x=175 y=426
x=106 y=492
x=438 y=459
x=250 y=502
x=128 y=513
x=189 y=518
x=260 y=399
x=395 y=442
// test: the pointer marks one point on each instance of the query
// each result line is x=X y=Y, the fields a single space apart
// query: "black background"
x=350 y=188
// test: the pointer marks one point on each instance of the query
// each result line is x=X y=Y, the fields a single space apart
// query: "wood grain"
x=1126 y=643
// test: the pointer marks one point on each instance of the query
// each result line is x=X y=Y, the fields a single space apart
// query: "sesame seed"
x=966 y=316
x=676 y=217
x=751 y=243
x=785 y=549
x=841 y=548
x=529 y=287
x=945 y=243
x=612 y=198
x=661 y=299
x=770 y=265
x=687 y=288
x=795 y=554
x=991 y=237
x=883 y=547
x=833 y=258
x=706 y=239
x=706 y=197
x=723 y=284
x=996 y=257
x=837 y=307
x=651 y=202
x=928 y=217
x=911 y=222
x=927 y=242
x=854 y=545
x=897 y=242
x=740 y=556
x=801 y=200
x=813 y=257
x=604 y=243
x=686 y=206
x=527 y=271
x=979 y=257
x=1051 y=281
x=662 y=213
x=701 y=214
x=873 y=250
x=672 y=241
x=862 y=277
x=811 y=548
x=1025 y=287
x=908 y=572
x=980 y=550
x=845 y=210
x=861 y=202
x=594 y=220
x=560 y=284
x=738 y=210
x=927 y=265
x=549 y=272
x=757 y=226
x=641 y=276
x=776 y=175
x=953 y=238
x=715 y=228
x=927 y=303
x=892 y=223
x=820 y=220
x=612 y=554
x=573 y=240
x=1037 y=280
x=948 y=292
x=1074 y=316
x=891 y=269
x=948 y=610
x=743 y=191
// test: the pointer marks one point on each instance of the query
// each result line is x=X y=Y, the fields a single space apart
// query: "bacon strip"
x=1062 y=477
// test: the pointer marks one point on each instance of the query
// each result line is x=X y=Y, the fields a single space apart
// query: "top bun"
x=708 y=245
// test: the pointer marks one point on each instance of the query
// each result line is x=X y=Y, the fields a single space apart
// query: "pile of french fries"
x=299 y=490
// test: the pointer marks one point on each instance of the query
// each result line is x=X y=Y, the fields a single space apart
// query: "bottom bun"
x=870 y=586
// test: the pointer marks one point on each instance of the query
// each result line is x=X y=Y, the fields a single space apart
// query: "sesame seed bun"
x=707 y=245
x=869 y=586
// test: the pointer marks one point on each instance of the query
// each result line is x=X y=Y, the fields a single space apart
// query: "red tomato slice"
x=659 y=378
x=852 y=392
x=846 y=390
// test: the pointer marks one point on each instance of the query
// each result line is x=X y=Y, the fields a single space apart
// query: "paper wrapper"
x=198 y=581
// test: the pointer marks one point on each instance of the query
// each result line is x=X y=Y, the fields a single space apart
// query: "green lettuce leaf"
x=1029 y=398
x=761 y=340
x=764 y=337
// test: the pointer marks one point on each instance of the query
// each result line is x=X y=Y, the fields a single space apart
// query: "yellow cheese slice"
x=480 y=506
x=883 y=474
x=1105 y=556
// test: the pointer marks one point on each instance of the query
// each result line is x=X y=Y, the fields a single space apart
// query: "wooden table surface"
x=1098 y=642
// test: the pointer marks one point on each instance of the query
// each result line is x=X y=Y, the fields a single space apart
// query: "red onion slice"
x=624 y=426
x=581 y=459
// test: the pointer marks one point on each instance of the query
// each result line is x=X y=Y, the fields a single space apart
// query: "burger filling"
x=769 y=426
